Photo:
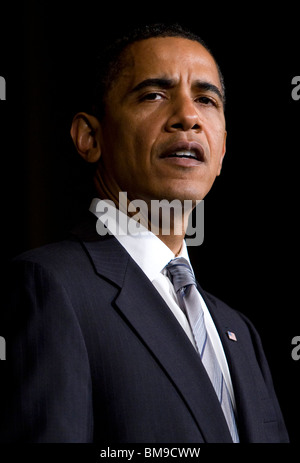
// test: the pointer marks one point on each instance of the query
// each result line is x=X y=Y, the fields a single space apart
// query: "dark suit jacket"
x=95 y=355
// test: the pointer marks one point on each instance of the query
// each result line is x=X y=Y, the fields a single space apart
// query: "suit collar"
x=106 y=254
x=144 y=247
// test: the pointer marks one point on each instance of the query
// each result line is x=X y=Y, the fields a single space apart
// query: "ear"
x=223 y=153
x=85 y=133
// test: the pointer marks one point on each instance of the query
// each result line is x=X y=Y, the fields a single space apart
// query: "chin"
x=186 y=194
x=170 y=191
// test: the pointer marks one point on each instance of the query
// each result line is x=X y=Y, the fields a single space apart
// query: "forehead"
x=174 y=57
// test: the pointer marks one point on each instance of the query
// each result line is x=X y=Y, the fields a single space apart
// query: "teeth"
x=185 y=153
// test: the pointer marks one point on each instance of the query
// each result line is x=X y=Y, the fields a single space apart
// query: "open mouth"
x=189 y=154
x=185 y=150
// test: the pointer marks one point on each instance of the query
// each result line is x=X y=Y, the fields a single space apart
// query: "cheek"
x=127 y=154
x=143 y=136
x=216 y=136
x=135 y=131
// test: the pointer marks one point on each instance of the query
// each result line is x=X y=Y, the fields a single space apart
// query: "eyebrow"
x=165 y=84
x=208 y=87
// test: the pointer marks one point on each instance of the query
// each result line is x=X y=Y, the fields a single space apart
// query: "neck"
x=174 y=243
x=168 y=224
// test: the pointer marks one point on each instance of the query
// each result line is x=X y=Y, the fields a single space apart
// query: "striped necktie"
x=181 y=275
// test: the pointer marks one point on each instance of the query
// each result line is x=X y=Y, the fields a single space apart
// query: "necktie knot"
x=180 y=273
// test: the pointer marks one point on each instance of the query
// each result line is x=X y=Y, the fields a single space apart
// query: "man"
x=102 y=345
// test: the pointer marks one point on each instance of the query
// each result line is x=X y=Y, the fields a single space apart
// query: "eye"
x=152 y=96
x=206 y=100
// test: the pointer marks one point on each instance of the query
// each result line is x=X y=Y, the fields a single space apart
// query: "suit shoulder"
x=54 y=257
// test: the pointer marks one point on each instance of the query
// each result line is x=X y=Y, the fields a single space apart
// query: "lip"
x=184 y=145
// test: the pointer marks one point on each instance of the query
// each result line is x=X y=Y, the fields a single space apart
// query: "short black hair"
x=110 y=61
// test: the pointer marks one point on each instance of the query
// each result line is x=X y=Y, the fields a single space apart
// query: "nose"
x=184 y=116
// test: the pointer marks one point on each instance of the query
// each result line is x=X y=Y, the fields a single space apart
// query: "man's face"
x=163 y=133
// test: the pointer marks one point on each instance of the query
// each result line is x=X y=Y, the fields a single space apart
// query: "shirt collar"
x=145 y=248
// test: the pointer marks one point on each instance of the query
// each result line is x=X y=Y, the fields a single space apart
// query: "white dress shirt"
x=152 y=256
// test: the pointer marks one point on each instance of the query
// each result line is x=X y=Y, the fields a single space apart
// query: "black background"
x=250 y=253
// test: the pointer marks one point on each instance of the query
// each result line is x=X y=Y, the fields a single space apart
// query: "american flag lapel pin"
x=231 y=335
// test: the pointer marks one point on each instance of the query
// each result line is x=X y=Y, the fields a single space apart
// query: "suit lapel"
x=244 y=384
x=151 y=319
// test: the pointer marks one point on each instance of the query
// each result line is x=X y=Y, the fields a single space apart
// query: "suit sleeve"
x=46 y=383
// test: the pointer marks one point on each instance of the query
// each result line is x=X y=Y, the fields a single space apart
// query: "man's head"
x=158 y=130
